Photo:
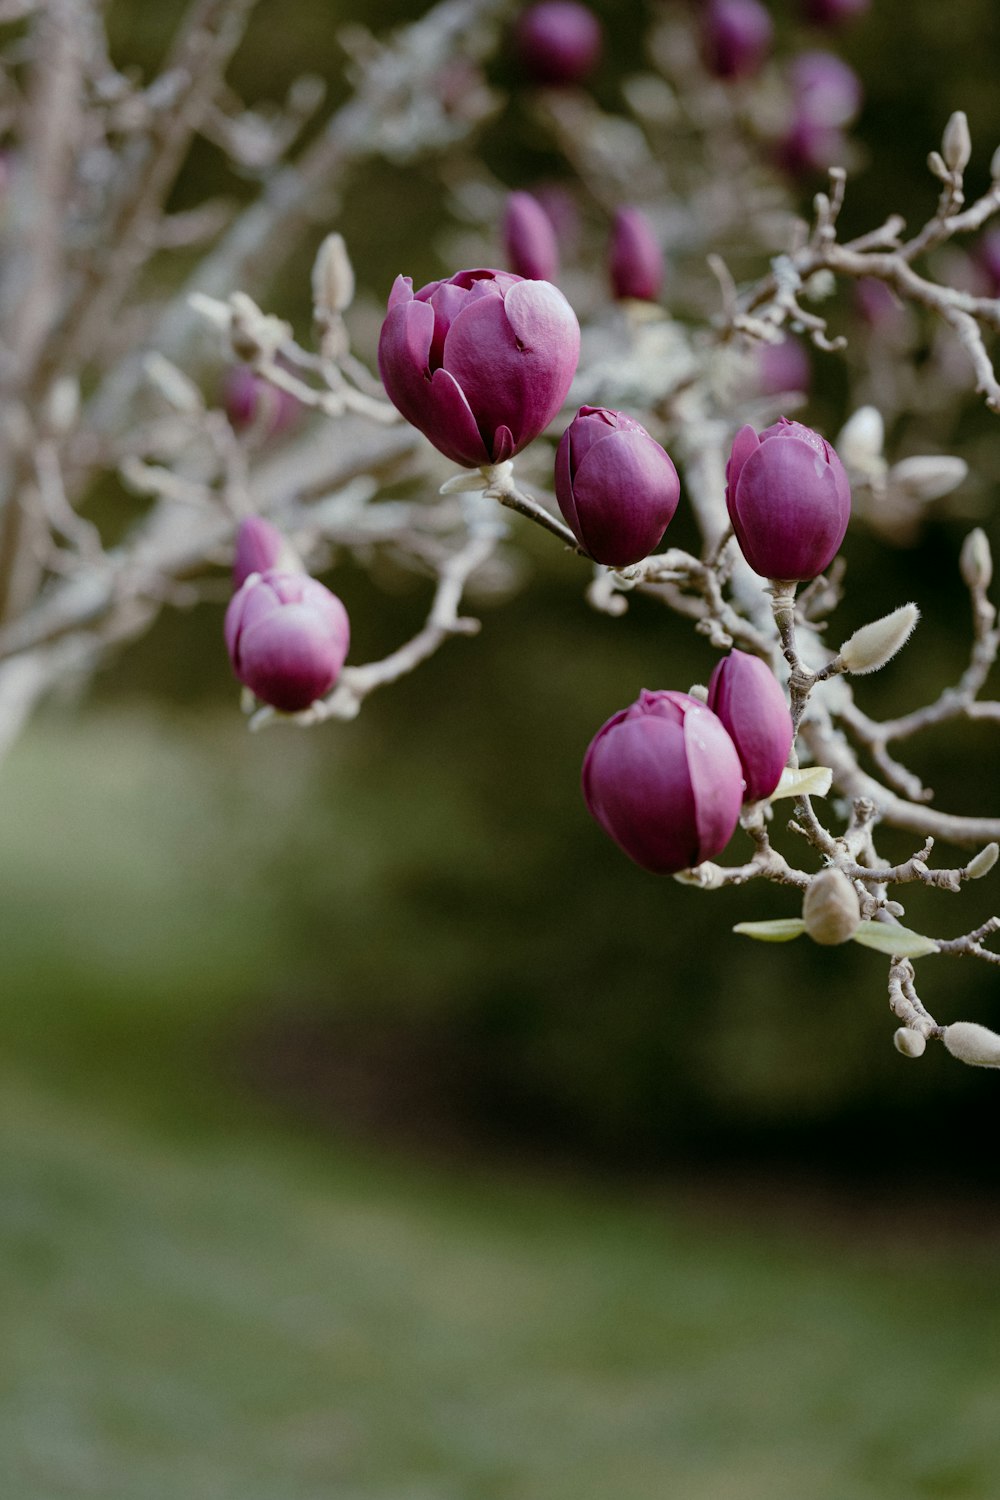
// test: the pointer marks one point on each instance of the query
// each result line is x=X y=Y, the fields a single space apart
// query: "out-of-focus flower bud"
x=976 y=560
x=789 y=500
x=982 y=863
x=972 y=1044
x=824 y=89
x=480 y=363
x=287 y=637
x=253 y=402
x=635 y=260
x=332 y=278
x=987 y=257
x=745 y=694
x=558 y=41
x=928 y=476
x=862 y=439
x=663 y=779
x=529 y=239
x=879 y=306
x=782 y=367
x=261 y=548
x=956 y=143
x=807 y=148
x=830 y=908
x=833 y=12
x=873 y=645
x=736 y=37
x=616 y=486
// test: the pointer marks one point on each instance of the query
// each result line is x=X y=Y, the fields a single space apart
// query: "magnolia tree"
x=670 y=237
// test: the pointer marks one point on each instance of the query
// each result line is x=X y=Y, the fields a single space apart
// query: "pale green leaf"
x=897 y=942
x=808 y=781
x=778 y=930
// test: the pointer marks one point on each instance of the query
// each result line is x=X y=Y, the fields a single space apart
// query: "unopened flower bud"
x=558 y=41
x=529 y=239
x=332 y=278
x=287 y=637
x=928 y=476
x=833 y=12
x=746 y=696
x=253 y=402
x=909 y=1042
x=956 y=143
x=663 y=779
x=873 y=645
x=982 y=863
x=862 y=439
x=782 y=367
x=830 y=909
x=973 y=1044
x=261 y=548
x=976 y=560
x=736 y=37
x=616 y=486
x=825 y=91
x=789 y=500
x=635 y=260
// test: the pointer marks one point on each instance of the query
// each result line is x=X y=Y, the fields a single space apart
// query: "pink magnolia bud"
x=260 y=547
x=251 y=401
x=480 y=363
x=987 y=256
x=558 y=41
x=783 y=367
x=287 y=638
x=616 y=486
x=529 y=239
x=878 y=304
x=833 y=12
x=746 y=696
x=635 y=259
x=825 y=90
x=663 y=779
x=808 y=148
x=736 y=37
x=789 y=500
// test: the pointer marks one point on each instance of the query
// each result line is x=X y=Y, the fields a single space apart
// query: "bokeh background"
x=373 y=1129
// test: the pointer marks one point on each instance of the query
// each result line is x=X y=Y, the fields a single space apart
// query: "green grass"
x=200 y=1303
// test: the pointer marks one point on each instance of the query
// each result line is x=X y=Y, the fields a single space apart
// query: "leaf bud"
x=928 y=476
x=873 y=645
x=909 y=1042
x=982 y=863
x=973 y=1044
x=332 y=278
x=956 y=143
x=976 y=560
x=830 y=909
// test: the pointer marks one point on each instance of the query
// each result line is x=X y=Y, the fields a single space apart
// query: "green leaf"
x=779 y=930
x=897 y=942
x=808 y=781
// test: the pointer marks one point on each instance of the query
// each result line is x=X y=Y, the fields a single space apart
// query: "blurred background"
x=374 y=1129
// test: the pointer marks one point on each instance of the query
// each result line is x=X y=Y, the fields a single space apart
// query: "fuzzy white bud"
x=928 y=476
x=976 y=560
x=956 y=143
x=332 y=278
x=873 y=645
x=861 y=440
x=909 y=1042
x=973 y=1044
x=830 y=909
x=982 y=863
x=698 y=690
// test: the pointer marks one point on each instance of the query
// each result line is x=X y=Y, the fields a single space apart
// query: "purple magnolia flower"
x=746 y=696
x=736 y=37
x=616 y=486
x=663 y=779
x=287 y=637
x=783 y=367
x=833 y=12
x=252 y=401
x=635 y=259
x=825 y=90
x=529 y=239
x=480 y=363
x=808 y=148
x=558 y=41
x=789 y=500
x=261 y=547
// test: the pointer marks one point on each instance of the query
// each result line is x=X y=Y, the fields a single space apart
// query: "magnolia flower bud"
x=736 y=37
x=825 y=91
x=976 y=560
x=529 y=239
x=873 y=645
x=253 y=402
x=479 y=363
x=558 y=41
x=746 y=696
x=956 y=143
x=973 y=1044
x=928 y=476
x=616 y=486
x=909 y=1042
x=982 y=863
x=332 y=278
x=830 y=909
x=287 y=638
x=635 y=258
x=664 y=781
x=782 y=367
x=789 y=500
x=260 y=548
x=862 y=439
x=833 y=12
